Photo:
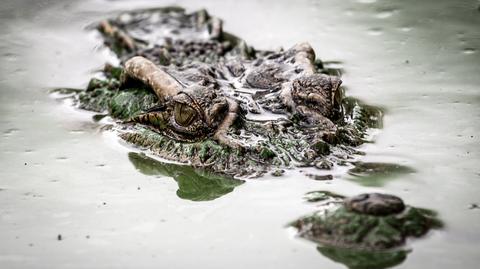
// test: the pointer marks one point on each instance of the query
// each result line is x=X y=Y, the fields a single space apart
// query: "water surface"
x=61 y=175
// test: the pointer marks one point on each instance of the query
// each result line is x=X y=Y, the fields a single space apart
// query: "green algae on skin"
x=349 y=229
x=277 y=151
x=366 y=231
x=338 y=225
x=159 y=83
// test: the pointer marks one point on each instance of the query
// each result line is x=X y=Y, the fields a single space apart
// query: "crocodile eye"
x=184 y=114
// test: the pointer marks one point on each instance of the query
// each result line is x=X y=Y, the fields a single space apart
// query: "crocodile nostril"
x=377 y=204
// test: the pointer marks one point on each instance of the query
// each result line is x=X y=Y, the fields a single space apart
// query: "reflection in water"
x=360 y=259
x=377 y=174
x=193 y=184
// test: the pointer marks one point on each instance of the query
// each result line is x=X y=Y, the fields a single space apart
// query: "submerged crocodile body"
x=188 y=91
x=364 y=231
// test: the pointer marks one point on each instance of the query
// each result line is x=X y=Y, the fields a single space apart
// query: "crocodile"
x=368 y=230
x=185 y=90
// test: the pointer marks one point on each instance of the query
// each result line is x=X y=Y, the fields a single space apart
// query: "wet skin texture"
x=189 y=92
x=370 y=221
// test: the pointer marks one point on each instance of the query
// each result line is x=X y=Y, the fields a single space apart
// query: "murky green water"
x=60 y=174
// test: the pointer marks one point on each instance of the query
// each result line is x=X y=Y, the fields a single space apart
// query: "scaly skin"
x=192 y=93
x=371 y=222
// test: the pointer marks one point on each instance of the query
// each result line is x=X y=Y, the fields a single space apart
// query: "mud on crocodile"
x=188 y=91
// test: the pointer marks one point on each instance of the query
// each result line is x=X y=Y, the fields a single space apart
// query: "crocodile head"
x=214 y=102
x=193 y=114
